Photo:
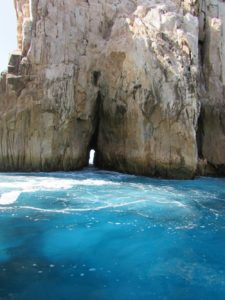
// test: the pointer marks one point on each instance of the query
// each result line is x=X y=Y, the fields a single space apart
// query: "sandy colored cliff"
x=141 y=82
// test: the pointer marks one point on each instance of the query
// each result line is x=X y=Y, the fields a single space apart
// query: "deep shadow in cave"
x=94 y=139
x=200 y=133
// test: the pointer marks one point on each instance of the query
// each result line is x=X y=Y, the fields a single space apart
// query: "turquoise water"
x=103 y=235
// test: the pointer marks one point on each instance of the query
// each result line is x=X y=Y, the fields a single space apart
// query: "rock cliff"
x=140 y=81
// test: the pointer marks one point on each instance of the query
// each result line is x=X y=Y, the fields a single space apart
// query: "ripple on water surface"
x=103 y=235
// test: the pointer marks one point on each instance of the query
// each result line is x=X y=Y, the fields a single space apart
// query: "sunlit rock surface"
x=212 y=118
x=141 y=82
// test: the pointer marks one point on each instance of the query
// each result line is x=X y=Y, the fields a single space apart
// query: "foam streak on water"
x=9 y=198
x=103 y=235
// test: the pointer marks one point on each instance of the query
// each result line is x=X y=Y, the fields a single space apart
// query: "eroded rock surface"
x=212 y=89
x=127 y=78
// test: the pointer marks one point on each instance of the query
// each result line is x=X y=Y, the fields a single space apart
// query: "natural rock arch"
x=121 y=78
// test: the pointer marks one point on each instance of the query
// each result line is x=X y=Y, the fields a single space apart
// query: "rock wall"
x=212 y=88
x=141 y=82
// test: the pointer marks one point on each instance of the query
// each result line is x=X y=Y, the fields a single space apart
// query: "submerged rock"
x=125 y=78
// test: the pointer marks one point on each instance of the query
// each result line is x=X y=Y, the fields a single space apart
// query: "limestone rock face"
x=127 y=78
x=149 y=100
x=212 y=89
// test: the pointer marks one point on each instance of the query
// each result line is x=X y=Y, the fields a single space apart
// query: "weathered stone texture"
x=125 y=77
x=212 y=89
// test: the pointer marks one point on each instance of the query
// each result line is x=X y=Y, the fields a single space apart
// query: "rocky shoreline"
x=141 y=82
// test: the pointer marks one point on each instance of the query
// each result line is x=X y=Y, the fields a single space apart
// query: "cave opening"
x=91 y=157
x=94 y=138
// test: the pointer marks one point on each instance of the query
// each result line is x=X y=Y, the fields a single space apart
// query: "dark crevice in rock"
x=200 y=133
x=14 y=63
x=220 y=170
x=17 y=83
x=94 y=138
x=206 y=168
x=96 y=76
x=201 y=45
x=3 y=83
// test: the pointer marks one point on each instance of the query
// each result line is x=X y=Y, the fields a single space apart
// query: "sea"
x=99 y=235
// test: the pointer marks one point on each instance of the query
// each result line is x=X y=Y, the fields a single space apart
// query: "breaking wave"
x=9 y=198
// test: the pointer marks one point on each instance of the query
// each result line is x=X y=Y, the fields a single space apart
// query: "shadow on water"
x=112 y=236
x=28 y=274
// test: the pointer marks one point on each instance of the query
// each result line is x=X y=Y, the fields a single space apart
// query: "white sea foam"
x=171 y=202
x=9 y=198
x=46 y=183
x=33 y=184
x=44 y=209
x=97 y=182
x=84 y=209
x=66 y=210
x=155 y=195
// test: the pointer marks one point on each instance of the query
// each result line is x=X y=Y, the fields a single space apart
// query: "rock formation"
x=141 y=82
x=212 y=85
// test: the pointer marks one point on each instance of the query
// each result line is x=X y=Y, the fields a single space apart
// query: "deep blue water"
x=103 y=235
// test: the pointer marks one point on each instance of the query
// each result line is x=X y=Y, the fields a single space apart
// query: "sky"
x=8 y=41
